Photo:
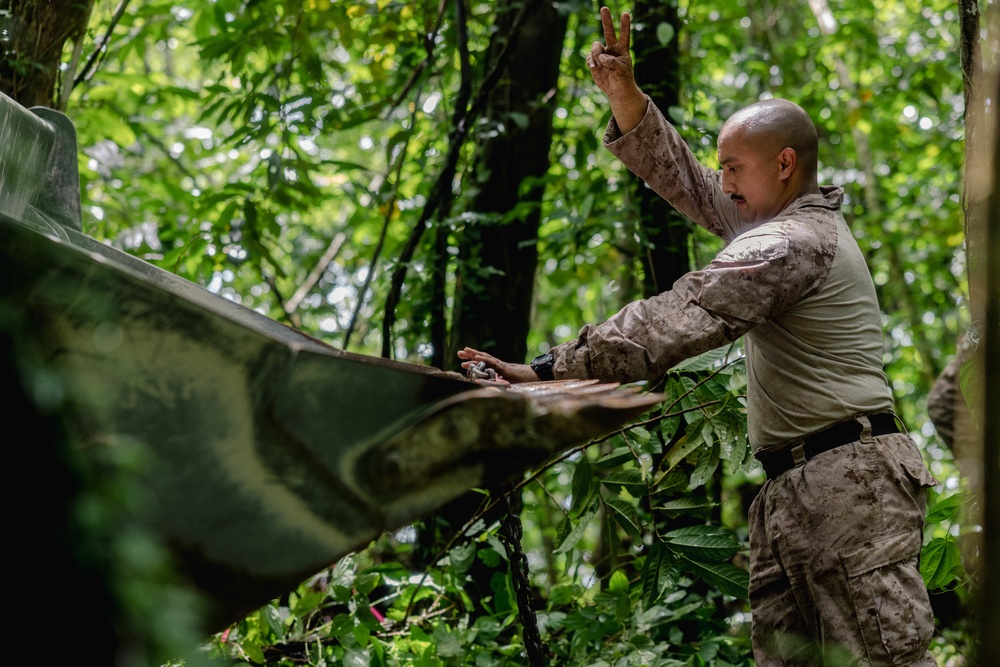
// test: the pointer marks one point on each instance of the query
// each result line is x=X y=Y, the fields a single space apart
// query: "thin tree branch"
x=62 y=95
x=441 y=191
x=272 y=283
x=291 y=306
x=102 y=46
x=439 y=267
x=363 y=292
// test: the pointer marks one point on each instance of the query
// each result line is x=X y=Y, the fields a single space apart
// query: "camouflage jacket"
x=797 y=286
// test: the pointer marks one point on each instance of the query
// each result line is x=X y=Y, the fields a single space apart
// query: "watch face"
x=542 y=365
x=542 y=361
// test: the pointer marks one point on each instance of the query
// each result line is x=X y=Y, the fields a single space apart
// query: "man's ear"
x=787 y=159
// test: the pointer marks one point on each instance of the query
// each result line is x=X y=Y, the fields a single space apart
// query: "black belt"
x=842 y=433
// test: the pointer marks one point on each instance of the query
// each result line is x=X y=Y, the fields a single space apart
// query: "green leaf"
x=940 y=562
x=584 y=488
x=707 y=465
x=366 y=583
x=615 y=458
x=664 y=33
x=570 y=531
x=677 y=115
x=308 y=601
x=945 y=508
x=612 y=536
x=735 y=449
x=705 y=361
x=640 y=436
x=675 y=480
x=968 y=379
x=254 y=653
x=586 y=206
x=694 y=504
x=343 y=573
x=705 y=543
x=115 y=128
x=684 y=390
x=626 y=516
x=271 y=618
x=341 y=625
x=497 y=550
x=520 y=119
x=226 y=217
x=630 y=480
x=618 y=582
x=728 y=578
x=655 y=574
x=447 y=642
x=681 y=449
x=354 y=657
x=461 y=557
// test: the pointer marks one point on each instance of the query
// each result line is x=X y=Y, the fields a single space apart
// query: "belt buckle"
x=798 y=452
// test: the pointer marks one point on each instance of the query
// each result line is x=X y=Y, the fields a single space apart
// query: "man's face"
x=751 y=177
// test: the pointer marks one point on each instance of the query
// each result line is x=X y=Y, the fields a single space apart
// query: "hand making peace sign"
x=610 y=65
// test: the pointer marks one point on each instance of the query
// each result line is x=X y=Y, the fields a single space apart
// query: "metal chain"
x=478 y=370
x=510 y=532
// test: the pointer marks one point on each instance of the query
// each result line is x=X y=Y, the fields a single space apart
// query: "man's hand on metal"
x=511 y=373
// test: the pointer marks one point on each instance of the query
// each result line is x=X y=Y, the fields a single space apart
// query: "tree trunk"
x=657 y=68
x=983 y=188
x=498 y=252
x=32 y=35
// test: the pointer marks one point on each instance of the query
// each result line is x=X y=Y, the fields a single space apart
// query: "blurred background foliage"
x=282 y=154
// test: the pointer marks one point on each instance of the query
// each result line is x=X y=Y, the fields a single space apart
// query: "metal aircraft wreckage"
x=273 y=454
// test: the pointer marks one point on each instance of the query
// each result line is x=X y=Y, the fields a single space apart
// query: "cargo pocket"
x=890 y=600
x=918 y=473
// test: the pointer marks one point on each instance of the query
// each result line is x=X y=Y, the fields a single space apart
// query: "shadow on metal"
x=272 y=453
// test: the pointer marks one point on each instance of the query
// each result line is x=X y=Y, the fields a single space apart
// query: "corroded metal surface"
x=272 y=453
x=38 y=164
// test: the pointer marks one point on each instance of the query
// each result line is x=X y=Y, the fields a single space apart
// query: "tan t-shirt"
x=797 y=286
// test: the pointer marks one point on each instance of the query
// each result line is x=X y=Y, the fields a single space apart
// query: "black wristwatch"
x=542 y=365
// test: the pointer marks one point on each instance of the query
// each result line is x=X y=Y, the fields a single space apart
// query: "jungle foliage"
x=282 y=153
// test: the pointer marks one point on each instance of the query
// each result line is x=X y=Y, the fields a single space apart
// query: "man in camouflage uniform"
x=836 y=530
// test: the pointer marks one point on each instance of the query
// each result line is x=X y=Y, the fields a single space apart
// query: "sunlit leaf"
x=945 y=509
x=940 y=562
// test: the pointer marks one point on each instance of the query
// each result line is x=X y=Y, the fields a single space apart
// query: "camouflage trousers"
x=834 y=545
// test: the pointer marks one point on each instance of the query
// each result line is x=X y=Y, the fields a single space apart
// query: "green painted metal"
x=273 y=454
x=38 y=158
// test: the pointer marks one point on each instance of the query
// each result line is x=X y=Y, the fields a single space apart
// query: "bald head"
x=775 y=124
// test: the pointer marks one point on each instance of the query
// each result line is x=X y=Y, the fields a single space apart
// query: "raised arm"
x=610 y=65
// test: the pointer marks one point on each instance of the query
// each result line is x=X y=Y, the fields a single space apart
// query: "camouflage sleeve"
x=752 y=280
x=656 y=153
